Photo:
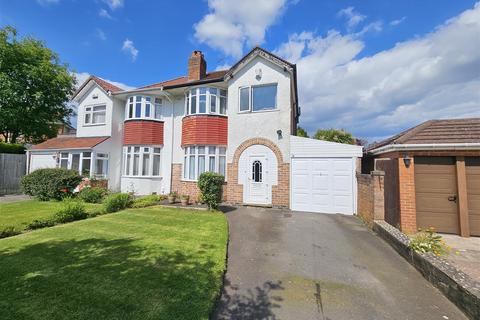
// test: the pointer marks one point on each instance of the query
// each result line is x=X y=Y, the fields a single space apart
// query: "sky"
x=372 y=67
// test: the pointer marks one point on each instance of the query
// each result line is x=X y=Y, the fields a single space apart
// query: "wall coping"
x=456 y=285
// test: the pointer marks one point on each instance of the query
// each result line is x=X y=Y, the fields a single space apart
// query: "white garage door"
x=323 y=185
x=42 y=160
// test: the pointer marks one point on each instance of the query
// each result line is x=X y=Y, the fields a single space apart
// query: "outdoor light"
x=279 y=134
x=407 y=160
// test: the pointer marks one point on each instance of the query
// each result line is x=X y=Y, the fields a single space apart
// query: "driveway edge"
x=457 y=286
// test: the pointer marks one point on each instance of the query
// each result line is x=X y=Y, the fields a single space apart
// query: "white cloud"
x=434 y=76
x=100 y=34
x=47 y=2
x=396 y=22
x=114 y=4
x=130 y=49
x=104 y=14
x=230 y=25
x=353 y=18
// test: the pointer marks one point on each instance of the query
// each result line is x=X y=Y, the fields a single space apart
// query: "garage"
x=472 y=166
x=323 y=176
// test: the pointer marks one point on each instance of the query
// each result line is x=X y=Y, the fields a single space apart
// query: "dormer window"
x=95 y=114
x=206 y=100
x=143 y=107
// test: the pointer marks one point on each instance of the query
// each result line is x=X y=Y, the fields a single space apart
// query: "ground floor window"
x=87 y=163
x=199 y=159
x=142 y=161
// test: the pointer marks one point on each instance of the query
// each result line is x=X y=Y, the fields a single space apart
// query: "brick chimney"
x=197 y=66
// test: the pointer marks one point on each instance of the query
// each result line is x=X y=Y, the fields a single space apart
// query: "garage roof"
x=64 y=142
x=312 y=148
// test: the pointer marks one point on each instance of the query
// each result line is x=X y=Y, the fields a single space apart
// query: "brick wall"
x=407 y=203
x=197 y=66
x=370 y=199
x=205 y=130
x=146 y=132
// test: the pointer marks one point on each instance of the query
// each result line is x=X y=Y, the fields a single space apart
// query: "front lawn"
x=20 y=214
x=153 y=263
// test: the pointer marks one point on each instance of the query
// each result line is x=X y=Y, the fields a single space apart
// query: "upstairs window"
x=143 y=107
x=258 y=98
x=95 y=114
x=206 y=100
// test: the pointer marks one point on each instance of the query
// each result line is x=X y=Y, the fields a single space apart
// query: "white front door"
x=257 y=189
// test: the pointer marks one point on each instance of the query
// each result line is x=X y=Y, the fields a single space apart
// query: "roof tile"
x=64 y=142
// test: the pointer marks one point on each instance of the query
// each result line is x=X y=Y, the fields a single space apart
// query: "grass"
x=152 y=263
x=19 y=214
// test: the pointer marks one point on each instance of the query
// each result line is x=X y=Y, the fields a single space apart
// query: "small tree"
x=34 y=89
x=211 y=187
x=334 y=135
x=301 y=132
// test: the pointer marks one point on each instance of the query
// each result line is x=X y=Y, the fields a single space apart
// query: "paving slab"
x=296 y=265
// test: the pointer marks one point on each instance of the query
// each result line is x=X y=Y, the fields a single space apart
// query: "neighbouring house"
x=238 y=122
x=432 y=176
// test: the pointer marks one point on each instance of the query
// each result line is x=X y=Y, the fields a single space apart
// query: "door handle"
x=452 y=198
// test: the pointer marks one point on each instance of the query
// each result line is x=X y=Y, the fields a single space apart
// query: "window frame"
x=220 y=94
x=131 y=105
x=91 y=112
x=152 y=153
x=250 y=98
x=220 y=152
x=93 y=158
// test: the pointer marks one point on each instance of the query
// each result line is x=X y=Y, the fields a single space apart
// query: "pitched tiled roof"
x=215 y=75
x=105 y=85
x=437 y=132
x=69 y=143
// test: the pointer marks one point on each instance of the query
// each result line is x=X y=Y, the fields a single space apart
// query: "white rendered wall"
x=244 y=126
x=87 y=100
x=40 y=160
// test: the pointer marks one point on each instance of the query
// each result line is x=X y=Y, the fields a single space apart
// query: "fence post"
x=378 y=180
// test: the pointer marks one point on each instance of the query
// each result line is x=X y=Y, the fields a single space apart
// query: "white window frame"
x=100 y=156
x=144 y=100
x=91 y=112
x=93 y=157
x=250 y=98
x=221 y=93
x=217 y=155
x=153 y=150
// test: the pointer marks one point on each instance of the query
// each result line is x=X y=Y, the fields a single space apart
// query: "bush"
x=116 y=202
x=429 y=241
x=210 y=185
x=146 y=201
x=11 y=148
x=39 y=224
x=8 y=231
x=92 y=194
x=71 y=210
x=47 y=184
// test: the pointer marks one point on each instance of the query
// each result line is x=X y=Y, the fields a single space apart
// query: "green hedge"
x=11 y=148
x=211 y=187
x=48 y=184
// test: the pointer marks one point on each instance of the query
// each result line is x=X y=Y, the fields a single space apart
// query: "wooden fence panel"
x=12 y=169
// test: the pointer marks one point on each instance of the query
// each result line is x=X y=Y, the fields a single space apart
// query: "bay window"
x=258 y=98
x=95 y=114
x=206 y=100
x=142 y=161
x=199 y=159
x=143 y=107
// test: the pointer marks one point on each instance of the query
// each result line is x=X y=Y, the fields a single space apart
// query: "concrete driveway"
x=292 y=265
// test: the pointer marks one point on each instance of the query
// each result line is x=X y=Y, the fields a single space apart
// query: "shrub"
x=429 y=241
x=210 y=185
x=71 y=210
x=42 y=223
x=47 y=184
x=117 y=201
x=11 y=148
x=92 y=194
x=146 y=201
x=8 y=232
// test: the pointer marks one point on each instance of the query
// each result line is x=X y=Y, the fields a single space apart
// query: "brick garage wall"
x=407 y=203
x=188 y=187
x=370 y=196
x=280 y=192
x=392 y=201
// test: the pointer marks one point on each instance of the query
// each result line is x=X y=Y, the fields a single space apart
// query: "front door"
x=258 y=189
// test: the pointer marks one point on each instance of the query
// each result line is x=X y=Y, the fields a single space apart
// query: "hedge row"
x=11 y=148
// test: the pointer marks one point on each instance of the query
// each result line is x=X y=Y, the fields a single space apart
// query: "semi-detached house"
x=239 y=122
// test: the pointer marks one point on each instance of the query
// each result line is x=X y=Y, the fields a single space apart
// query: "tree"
x=301 y=132
x=334 y=135
x=34 y=89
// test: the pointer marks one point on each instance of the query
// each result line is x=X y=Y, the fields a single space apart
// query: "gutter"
x=425 y=146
